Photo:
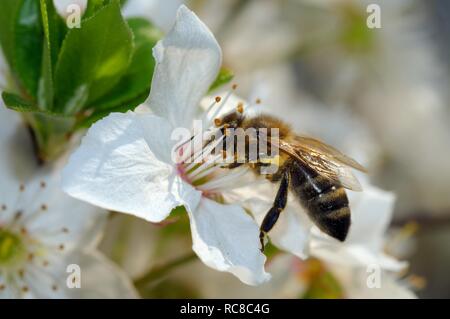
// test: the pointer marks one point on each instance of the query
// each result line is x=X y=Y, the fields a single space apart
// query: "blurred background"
x=381 y=95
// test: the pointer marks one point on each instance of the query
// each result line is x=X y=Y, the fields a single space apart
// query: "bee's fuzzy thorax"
x=268 y=121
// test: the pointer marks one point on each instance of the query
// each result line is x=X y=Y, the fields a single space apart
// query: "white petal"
x=227 y=239
x=354 y=256
x=354 y=282
x=371 y=213
x=49 y=281
x=100 y=278
x=161 y=13
x=52 y=217
x=188 y=60
x=292 y=230
x=8 y=291
x=124 y=164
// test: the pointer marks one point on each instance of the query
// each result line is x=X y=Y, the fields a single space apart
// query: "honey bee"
x=317 y=174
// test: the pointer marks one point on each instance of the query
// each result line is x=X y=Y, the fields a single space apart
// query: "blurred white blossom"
x=43 y=231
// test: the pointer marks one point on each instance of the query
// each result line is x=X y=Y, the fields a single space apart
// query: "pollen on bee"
x=217 y=122
x=218 y=99
x=240 y=107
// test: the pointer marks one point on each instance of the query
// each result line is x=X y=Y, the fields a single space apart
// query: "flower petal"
x=292 y=230
x=52 y=217
x=371 y=213
x=100 y=278
x=124 y=164
x=188 y=60
x=226 y=238
x=356 y=287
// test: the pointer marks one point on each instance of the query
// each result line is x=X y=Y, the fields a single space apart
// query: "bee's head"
x=231 y=119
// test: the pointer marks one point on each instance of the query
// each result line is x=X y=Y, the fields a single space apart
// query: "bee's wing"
x=325 y=163
x=311 y=144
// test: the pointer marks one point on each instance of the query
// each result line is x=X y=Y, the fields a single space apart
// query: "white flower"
x=354 y=282
x=371 y=214
x=124 y=162
x=43 y=231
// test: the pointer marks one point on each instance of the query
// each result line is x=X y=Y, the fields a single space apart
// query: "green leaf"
x=51 y=133
x=45 y=94
x=225 y=76
x=8 y=12
x=54 y=31
x=92 y=7
x=99 y=114
x=137 y=80
x=16 y=103
x=92 y=60
x=28 y=41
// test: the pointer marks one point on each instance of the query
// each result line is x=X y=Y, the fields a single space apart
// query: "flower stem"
x=158 y=272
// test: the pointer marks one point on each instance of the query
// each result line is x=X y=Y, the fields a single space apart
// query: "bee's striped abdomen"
x=326 y=203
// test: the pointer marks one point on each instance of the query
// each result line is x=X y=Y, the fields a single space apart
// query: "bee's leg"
x=278 y=205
